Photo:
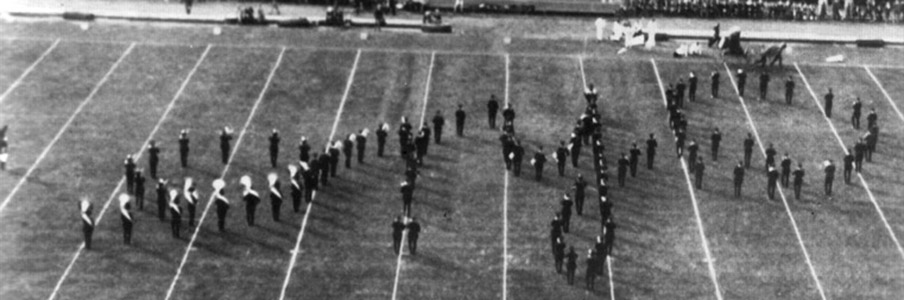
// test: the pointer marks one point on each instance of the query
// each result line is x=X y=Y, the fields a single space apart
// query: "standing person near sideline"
x=361 y=144
x=175 y=214
x=190 y=193
x=125 y=214
x=566 y=203
x=871 y=118
x=634 y=155
x=460 y=117
x=274 y=147
x=161 y=199
x=579 y=187
x=139 y=189
x=738 y=178
x=4 y=152
x=692 y=87
x=538 y=161
x=764 y=85
x=407 y=190
x=770 y=156
x=715 y=84
x=591 y=94
x=276 y=198
x=789 y=90
x=855 y=114
x=516 y=157
x=304 y=150
x=798 y=180
x=183 y=148
x=251 y=199
x=651 y=151
x=571 y=264
x=715 y=139
x=786 y=170
x=679 y=92
x=558 y=254
x=692 y=149
x=508 y=118
x=742 y=81
x=87 y=221
x=414 y=231
x=698 y=172
x=153 y=158
x=848 y=165
x=188 y=4
x=492 y=110
x=771 y=182
x=221 y=202
x=561 y=157
x=859 y=155
x=130 y=166
x=829 y=170
x=398 y=229
x=348 y=148
x=828 y=106
x=438 y=123
x=622 y=169
x=382 y=132
x=590 y=275
x=748 y=149
x=295 y=186
x=225 y=138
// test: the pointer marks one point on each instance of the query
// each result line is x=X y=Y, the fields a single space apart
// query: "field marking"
x=884 y=92
x=505 y=245
x=304 y=221
x=869 y=192
x=28 y=70
x=398 y=272
x=59 y=134
x=611 y=284
x=100 y=216
x=608 y=257
x=690 y=189
x=210 y=201
x=781 y=192
x=427 y=50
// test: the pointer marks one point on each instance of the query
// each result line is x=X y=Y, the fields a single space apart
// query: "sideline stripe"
x=505 y=254
x=869 y=193
x=304 y=222
x=781 y=192
x=395 y=285
x=28 y=70
x=123 y=180
x=66 y=126
x=690 y=189
x=608 y=257
x=238 y=142
x=879 y=84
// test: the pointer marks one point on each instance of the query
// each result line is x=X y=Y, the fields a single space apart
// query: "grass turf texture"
x=346 y=250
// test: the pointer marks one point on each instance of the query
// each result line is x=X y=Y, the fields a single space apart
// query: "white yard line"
x=100 y=216
x=238 y=142
x=869 y=192
x=884 y=92
x=304 y=222
x=398 y=272
x=690 y=189
x=66 y=126
x=28 y=70
x=608 y=257
x=781 y=192
x=611 y=283
x=505 y=245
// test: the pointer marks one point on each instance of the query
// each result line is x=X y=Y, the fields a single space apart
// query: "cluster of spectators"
x=800 y=10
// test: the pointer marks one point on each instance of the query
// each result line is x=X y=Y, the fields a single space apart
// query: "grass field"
x=75 y=115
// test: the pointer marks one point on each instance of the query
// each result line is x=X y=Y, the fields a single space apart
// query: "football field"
x=76 y=105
